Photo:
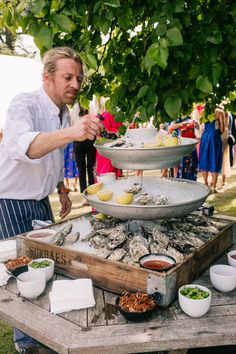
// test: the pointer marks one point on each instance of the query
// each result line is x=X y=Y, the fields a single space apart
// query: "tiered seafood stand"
x=176 y=228
x=108 y=250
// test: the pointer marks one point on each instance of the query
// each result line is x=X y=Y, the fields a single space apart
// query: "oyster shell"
x=71 y=238
x=134 y=189
x=147 y=199
x=99 y=241
x=117 y=241
x=117 y=255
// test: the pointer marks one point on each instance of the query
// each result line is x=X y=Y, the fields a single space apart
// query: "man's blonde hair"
x=51 y=57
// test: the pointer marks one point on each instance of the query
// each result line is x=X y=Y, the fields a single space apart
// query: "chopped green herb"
x=41 y=264
x=194 y=293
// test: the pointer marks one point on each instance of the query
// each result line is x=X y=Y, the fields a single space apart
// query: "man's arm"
x=86 y=128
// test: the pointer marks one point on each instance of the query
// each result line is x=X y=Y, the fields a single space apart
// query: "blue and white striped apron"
x=16 y=216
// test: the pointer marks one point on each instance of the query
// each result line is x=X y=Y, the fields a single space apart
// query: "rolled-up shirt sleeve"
x=20 y=130
x=24 y=142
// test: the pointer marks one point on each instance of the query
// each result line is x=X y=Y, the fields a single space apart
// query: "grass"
x=225 y=204
x=6 y=339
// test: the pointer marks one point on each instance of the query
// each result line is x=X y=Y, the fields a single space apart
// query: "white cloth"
x=4 y=276
x=38 y=224
x=67 y=295
x=7 y=250
x=29 y=114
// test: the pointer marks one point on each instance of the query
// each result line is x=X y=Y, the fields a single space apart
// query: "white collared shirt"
x=28 y=115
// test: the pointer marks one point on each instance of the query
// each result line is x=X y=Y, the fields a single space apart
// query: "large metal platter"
x=184 y=197
x=136 y=158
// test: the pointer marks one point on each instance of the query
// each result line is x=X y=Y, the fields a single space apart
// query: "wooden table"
x=103 y=330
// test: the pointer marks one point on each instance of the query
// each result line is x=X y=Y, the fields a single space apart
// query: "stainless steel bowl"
x=136 y=158
x=184 y=197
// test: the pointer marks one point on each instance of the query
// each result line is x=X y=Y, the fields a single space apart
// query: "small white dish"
x=31 y=284
x=232 y=258
x=141 y=135
x=223 y=277
x=48 y=270
x=43 y=235
x=105 y=178
x=194 y=307
x=157 y=261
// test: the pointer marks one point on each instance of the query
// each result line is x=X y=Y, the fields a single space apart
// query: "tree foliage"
x=157 y=57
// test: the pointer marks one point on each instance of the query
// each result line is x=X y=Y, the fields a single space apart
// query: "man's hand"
x=87 y=128
x=65 y=205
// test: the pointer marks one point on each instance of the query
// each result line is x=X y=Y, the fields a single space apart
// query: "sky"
x=18 y=74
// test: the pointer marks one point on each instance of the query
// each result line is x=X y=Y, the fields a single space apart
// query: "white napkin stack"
x=67 y=295
x=4 y=276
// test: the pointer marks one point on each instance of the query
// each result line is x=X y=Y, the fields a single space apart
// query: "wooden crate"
x=118 y=277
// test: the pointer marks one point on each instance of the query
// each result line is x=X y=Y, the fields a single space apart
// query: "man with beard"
x=36 y=132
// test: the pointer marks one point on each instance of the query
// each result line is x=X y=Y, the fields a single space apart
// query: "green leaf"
x=215 y=37
x=84 y=102
x=172 y=106
x=63 y=22
x=203 y=84
x=179 y=6
x=142 y=91
x=156 y=55
x=194 y=72
x=37 y=7
x=112 y=3
x=91 y=61
x=102 y=24
x=44 y=37
x=174 y=36
x=125 y=18
x=161 y=29
x=216 y=72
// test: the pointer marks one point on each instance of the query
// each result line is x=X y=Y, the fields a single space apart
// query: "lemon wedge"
x=101 y=216
x=124 y=198
x=104 y=196
x=94 y=188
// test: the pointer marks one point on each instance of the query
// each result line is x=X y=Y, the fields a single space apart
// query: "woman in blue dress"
x=188 y=168
x=70 y=167
x=211 y=149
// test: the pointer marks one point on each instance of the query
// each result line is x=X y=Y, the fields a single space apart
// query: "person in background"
x=188 y=168
x=211 y=149
x=199 y=126
x=70 y=167
x=103 y=164
x=226 y=170
x=36 y=131
x=85 y=153
x=167 y=172
x=232 y=138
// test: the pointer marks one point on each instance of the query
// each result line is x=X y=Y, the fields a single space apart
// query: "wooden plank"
x=164 y=335
x=37 y=322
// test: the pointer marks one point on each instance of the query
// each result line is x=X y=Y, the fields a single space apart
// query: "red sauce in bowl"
x=233 y=256
x=156 y=264
x=42 y=235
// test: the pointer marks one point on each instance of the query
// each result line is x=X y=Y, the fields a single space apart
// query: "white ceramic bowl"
x=48 y=270
x=32 y=284
x=44 y=235
x=223 y=277
x=141 y=135
x=232 y=258
x=194 y=307
x=108 y=177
